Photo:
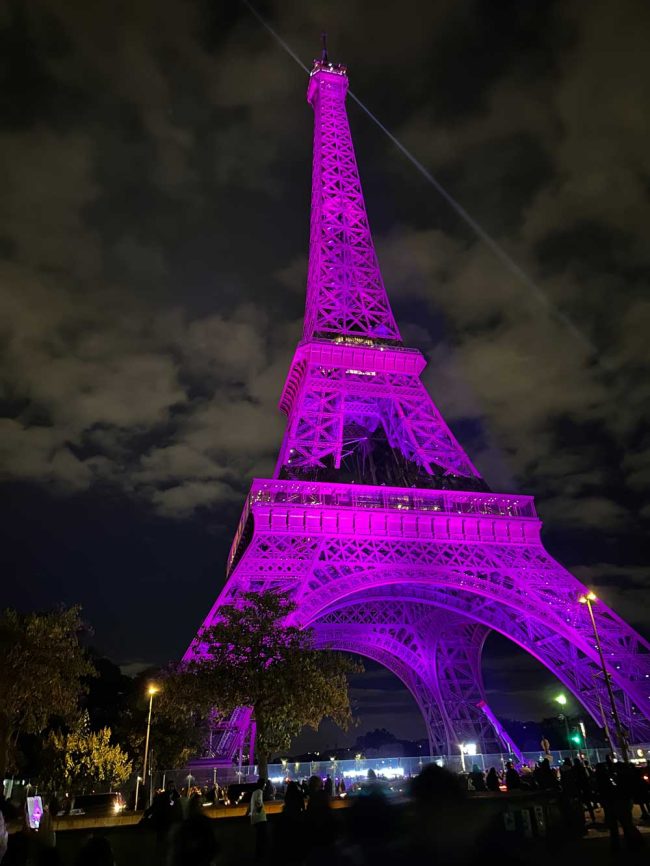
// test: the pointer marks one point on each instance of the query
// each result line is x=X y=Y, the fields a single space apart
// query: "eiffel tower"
x=377 y=522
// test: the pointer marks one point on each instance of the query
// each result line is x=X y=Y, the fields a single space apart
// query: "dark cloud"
x=155 y=173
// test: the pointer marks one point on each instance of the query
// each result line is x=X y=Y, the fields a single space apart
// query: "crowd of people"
x=21 y=845
x=613 y=786
x=436 y=821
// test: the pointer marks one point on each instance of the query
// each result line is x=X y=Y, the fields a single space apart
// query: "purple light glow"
x=413 y=575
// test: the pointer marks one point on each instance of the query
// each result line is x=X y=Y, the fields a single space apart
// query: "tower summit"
x=345 y=291
x=356 y=407
x=376 y=522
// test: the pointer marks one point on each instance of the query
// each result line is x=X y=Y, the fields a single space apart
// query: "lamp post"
x=138 y=779
x=608 y=736
x=588 y=599
x=151 y=691
x=562 y=701
x=583 y=731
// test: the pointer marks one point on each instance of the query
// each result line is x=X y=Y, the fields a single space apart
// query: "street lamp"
x=151 y=691
x=561 y=699
x=589 y=598
x=583 y=731
x=466 y=749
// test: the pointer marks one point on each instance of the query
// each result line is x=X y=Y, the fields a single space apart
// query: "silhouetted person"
x=314 y=783
x=583 y=781
x=574 y=813
x=193 y=841
x=641 y=791
x=477 y=778
x=288 y=827
x=328 y=787
x=320 y=828
x=25 y=846
x=441 y=834
x=371 y=829
x=512 y=779
x=615 y=795
x=269 y=790
x=492 y=782
x=294 y=799
x=545 y=777
x=159 y=817
x=96 y=851
x=176 y=813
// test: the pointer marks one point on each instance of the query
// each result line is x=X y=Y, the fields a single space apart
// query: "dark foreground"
x=369 y=831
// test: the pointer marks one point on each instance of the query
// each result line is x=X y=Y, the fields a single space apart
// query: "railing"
x=366 y=497
x=389 y=768
x=390 y=498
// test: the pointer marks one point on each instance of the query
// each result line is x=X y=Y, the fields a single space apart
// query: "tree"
x=375 y=739
x=41 y=674
x=178 y=722
x=251 y=657
x=85 y=758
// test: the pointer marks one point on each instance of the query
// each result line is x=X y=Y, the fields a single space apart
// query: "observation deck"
x=313 y=508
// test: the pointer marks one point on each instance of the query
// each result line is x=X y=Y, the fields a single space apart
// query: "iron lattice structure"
x=377 y=522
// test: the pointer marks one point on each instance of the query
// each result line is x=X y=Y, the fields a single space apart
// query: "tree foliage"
x=121 y=703
x=252 y=657
x=84 y=759
x=41 y=674
x=178 y=723
x=375 y=739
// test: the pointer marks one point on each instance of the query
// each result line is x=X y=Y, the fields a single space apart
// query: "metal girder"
x=580 y=674
x=411 y=576
x=436 y=655
x=345 y=290
x=352 y=388
x=515 y=588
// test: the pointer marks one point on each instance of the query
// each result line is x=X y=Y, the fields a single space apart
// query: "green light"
x=577 y=739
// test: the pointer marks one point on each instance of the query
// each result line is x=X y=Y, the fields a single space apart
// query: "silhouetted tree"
x=41 y=673
x=251 y=657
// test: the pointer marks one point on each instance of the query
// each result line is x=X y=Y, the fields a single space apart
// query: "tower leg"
x=438 y=657
x=456 y=659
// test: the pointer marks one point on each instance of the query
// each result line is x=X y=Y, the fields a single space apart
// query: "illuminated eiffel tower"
x=376 y=521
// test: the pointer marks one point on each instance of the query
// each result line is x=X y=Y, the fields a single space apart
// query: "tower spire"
x=345 y=292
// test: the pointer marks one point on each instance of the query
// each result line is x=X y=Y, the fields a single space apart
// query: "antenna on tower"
x=323 y=56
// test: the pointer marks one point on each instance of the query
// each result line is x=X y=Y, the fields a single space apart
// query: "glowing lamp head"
x=152 y=690
x=587 y=597
x=561 y=700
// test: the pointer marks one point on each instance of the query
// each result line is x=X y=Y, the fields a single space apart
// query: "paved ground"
x=135 y=846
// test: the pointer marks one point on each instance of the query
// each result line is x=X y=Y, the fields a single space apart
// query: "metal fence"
x=205 y=772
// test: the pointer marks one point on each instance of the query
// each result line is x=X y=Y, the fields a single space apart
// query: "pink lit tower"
x=378 y=523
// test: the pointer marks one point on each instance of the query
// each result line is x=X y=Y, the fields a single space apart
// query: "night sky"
x=155 y=161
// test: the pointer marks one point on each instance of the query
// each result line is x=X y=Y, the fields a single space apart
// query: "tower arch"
x=437 y=656
x=566 y=658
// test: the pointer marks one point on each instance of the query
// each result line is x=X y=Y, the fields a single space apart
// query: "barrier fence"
x=205 y=772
